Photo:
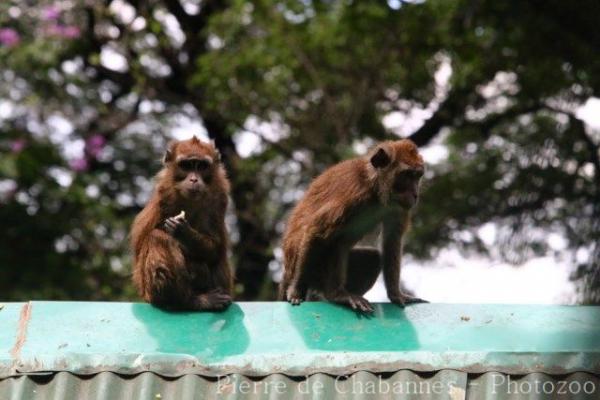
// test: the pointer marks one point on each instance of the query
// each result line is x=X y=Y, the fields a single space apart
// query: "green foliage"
x=312 y=81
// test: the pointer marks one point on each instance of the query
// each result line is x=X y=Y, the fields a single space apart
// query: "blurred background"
x=501 y=96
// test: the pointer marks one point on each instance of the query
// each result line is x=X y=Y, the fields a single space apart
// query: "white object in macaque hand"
x=181 y=215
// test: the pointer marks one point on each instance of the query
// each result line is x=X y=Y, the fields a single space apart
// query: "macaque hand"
x=177 y=224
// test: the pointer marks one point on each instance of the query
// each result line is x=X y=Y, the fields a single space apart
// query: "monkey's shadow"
x=209 y=336
x=331 y=327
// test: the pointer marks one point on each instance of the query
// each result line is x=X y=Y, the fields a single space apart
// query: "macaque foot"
x=315 y=295
x=356 y=302
x=404 y=299
x=215 y=300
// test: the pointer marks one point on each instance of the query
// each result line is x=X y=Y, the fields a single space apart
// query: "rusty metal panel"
x=258 y=339
x=10 y=329
x=404 y=385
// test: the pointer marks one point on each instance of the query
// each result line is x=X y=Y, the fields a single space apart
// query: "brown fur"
x=339 y=208
x=187 y=269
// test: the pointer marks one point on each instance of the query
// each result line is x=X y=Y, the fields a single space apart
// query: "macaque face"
x=190 y=166
x=193 y=174
x=405 y=187
x=401 y=168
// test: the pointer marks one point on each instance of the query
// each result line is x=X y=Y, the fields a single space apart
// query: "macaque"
x=179 y=239
x=340 y=207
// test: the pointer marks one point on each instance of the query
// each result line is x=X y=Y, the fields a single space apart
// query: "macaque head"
x=399 y=168
x=192 y=165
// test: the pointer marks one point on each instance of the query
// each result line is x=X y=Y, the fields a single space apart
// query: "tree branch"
x=451 y=109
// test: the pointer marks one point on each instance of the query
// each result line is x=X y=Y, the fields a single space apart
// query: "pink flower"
x=53 y=30
x=9 y=37
x=79 y=164
x=94 y=145
x=18 y=145
x=50 y=13
x=71 y=32
x=67 y=32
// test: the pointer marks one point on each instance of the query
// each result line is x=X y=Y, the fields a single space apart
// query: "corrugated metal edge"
x=404 y=384
x=444 y=385
x=174 y=365
x=494 y=385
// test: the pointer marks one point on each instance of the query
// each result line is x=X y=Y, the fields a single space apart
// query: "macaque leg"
x=363 y=270
x=211 y=289
x=169 y=281
x=336 y=289
x=364 y=266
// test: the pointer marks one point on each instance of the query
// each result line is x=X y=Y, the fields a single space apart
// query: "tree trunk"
x=253 y=249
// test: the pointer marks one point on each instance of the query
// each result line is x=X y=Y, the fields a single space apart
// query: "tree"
x=313 y=82
x=518 y=153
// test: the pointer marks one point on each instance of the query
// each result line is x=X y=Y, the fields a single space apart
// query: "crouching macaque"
x=340 y=207
x=179 y=239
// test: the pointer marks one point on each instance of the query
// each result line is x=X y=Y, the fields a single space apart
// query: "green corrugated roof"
x=257 y=339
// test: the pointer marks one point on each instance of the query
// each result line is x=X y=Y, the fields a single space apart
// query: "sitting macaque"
x=340 y=207
x=179 y=239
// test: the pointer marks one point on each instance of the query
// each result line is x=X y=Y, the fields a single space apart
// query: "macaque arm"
x=143 y=225
x=393 y=230
x=295 y=292
x=200 y=243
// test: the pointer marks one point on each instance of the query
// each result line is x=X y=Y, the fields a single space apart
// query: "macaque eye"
x=186 y=165
x=194 y=165
x=417 y=173
x=409 y=174
x=401 y=183
x=202 y=165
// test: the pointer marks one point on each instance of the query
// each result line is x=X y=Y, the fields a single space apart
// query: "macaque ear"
x=217 y=154
x=170 y=153
x=381 y=158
